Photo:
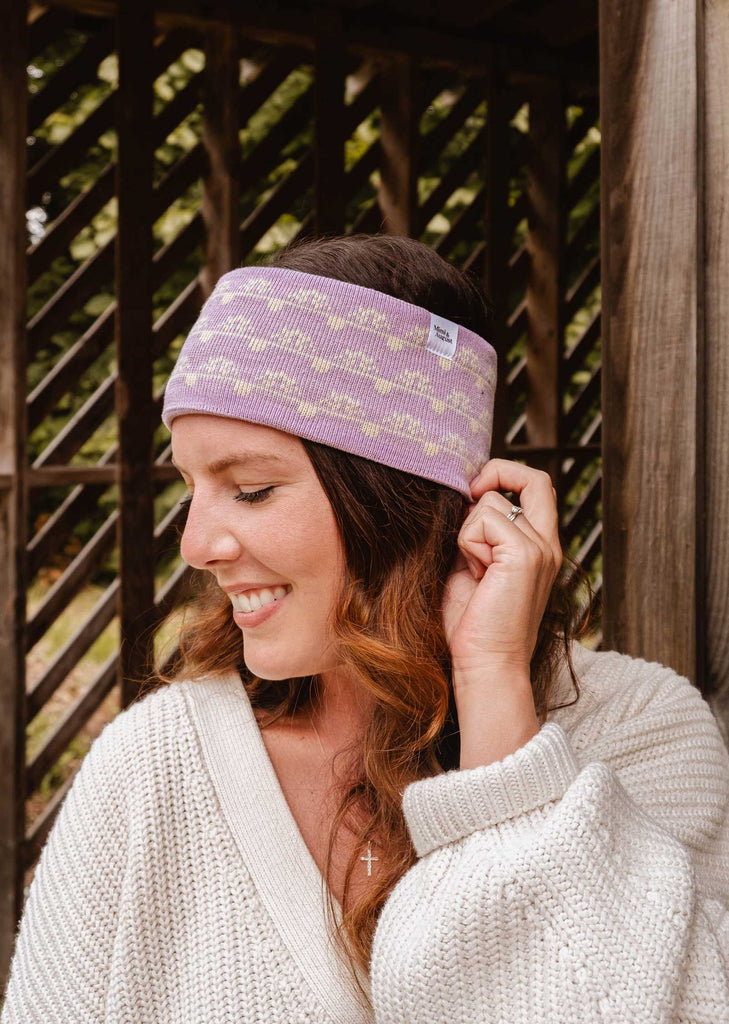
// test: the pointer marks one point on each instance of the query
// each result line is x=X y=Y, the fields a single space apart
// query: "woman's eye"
x=253 y=497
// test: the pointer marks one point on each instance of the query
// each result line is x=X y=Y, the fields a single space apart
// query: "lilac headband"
x=343 y=365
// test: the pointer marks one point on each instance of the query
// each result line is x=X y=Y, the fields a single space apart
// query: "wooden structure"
x=573 y=156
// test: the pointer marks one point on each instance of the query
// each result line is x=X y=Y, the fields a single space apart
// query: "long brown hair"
x=399 y=534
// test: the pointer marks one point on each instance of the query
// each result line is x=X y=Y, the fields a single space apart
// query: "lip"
x=255 y=618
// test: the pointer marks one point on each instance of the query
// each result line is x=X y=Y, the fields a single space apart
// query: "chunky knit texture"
x=584 y=878
x=347 y=366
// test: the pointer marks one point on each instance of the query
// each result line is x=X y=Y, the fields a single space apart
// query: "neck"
x=343 y=708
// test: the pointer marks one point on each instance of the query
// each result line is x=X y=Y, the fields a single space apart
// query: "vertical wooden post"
x=221 y=194
x=134 y=406
x=497 y=239
x=399 y=139
x=714 y=383
x=652 y=293
x=13 y=107
x=546 y=194
x=329 y=75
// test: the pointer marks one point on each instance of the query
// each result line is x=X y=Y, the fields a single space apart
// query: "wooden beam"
x=221 y=182
x=134 y=399
x=281 y=25
x=13 y=115
x=546 y=190
x=329 y=75
x=498 y=240
x=714 y=518
x=399 y=141
x=654 y=491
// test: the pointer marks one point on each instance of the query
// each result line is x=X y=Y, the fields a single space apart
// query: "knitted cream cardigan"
x=582 y=879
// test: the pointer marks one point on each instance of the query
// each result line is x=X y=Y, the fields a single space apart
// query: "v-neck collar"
x=268 y=837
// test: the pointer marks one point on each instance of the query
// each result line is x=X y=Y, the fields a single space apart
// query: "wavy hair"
x=399 y=534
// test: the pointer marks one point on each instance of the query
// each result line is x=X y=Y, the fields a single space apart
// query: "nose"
x=207 y=538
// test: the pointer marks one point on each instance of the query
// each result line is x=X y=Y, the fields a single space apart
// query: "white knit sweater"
x=584 y=878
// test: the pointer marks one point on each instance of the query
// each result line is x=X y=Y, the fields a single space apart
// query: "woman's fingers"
x=537 y=497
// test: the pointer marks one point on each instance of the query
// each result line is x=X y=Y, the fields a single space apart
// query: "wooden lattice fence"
x=230 y=148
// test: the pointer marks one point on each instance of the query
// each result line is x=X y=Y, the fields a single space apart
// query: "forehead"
x=201 y=438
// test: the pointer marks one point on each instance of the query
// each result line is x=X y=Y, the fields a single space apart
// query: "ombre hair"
x=399 y=533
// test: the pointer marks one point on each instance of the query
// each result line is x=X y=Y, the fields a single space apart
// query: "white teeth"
x=255 y=599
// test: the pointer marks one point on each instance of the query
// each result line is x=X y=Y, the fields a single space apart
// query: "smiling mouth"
x=242 y=603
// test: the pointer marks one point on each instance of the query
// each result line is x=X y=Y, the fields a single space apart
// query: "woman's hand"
x=494 y=601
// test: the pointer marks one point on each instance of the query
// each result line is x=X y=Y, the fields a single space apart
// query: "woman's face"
x=287 y=537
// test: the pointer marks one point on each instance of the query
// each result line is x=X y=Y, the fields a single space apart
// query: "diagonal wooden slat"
x=46 y=28
x=72 y=75
x=73 y=720
x=69 y=368
x=70 y=222
x=57 y=161
x=85 y=281
x=74 y=649
x=588 y=397
x=54 y=532
x=583 y=287
x=99 y=406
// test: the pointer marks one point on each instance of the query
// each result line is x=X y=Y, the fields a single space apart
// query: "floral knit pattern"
x=343 y=365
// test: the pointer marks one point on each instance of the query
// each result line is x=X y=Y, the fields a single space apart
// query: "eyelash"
x=250 y=497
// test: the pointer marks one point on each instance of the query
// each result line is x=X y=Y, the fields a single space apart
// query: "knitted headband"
x=347 y=366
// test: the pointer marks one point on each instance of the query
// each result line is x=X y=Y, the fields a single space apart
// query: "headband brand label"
x=442 y=337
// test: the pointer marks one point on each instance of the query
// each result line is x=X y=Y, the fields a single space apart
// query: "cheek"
x=313 y=550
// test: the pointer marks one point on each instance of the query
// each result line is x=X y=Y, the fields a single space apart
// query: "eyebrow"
x=228 y=461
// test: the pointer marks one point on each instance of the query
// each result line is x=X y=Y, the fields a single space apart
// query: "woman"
x=387 y=783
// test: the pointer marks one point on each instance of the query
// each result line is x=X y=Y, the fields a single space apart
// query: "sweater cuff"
x=447 y=807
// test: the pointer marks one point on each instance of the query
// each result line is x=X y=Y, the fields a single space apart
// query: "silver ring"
x=515 y=511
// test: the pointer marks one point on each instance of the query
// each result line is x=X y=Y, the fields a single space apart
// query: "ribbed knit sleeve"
x=60 y=968
x=552 y=889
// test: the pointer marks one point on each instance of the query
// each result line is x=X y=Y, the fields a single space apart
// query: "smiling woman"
x=405 y=748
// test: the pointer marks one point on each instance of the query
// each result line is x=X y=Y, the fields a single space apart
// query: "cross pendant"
x=369 y=858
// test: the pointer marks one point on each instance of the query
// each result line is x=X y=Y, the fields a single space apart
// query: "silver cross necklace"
x=369 y=858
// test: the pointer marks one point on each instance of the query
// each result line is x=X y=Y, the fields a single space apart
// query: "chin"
x=276 y=669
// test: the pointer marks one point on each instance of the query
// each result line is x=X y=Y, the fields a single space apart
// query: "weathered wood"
x=133 y=397
x=85 y=281
x=399 y=140
x=68 y=223
x=13 y=109
x=62 y=521
x=50 y=167
x=68 y=476
x=432 y=143
x=546 y=192
x=64 y=661
x=284 y=25
x=45 y=27
x=74 y=73
x=653 y=492
x=100 y=404
x=714 y=519
x=79 y=428
x=221 y=182
x=582 y=288
x=498 y=241
x=463 y=225
x=40 y=829
x=329 y=113
x=467 y=162
x=72 y=579
x=71 y=723
x=67 y=371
